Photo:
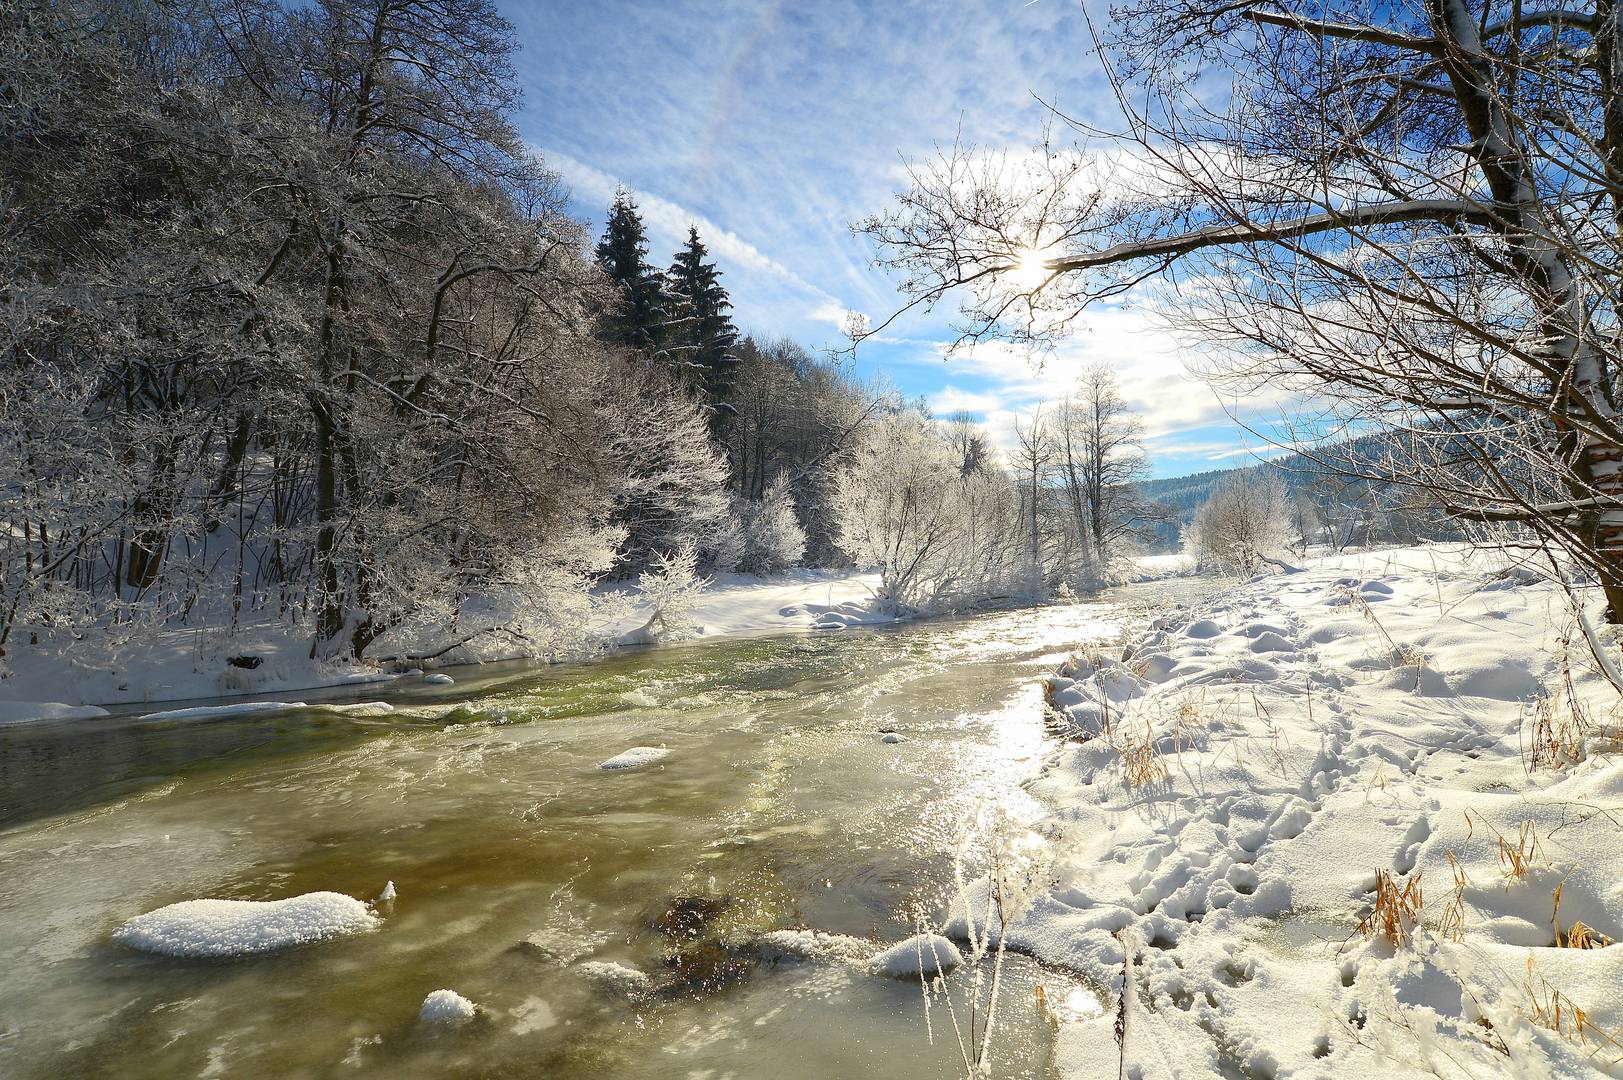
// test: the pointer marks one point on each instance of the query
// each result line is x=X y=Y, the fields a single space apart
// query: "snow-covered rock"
x=439 y=678
x=892 y=737
x=921 y=954
x=619 y=978
x=635 y=757
x=447 y=1007
x=214 y=929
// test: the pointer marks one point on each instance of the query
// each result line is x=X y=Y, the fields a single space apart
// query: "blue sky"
x=773 y=126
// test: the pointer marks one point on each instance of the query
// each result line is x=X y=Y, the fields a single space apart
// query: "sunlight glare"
x=1031 y=269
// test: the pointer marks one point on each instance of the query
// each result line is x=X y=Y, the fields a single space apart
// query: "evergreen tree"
x=638 y=321
x=701 y=333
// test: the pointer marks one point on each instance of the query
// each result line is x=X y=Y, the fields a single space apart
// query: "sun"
x=1030 y=269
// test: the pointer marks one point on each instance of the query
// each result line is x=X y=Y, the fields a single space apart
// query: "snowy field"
x=1416 y=741
x=70 y=681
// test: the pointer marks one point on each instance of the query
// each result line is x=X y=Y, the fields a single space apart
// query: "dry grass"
x=1141 y=761
x=1518 y=860
x=1560 y=724
x=1397 y=911
x=1552 y=1009
x=1452 y=923
x=1578 y=935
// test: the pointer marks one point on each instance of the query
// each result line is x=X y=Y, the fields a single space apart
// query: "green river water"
x=516 y=858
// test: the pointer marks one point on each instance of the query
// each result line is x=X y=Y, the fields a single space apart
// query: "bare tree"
x=1033 y=453
x=1413 y=211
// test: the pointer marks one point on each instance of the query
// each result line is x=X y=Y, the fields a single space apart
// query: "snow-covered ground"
x=66 y=681
x=1245 y=781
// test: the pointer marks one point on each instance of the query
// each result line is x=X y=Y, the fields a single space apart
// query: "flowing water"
x=516 y=858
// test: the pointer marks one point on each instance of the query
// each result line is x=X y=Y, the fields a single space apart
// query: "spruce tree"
x=701 y=334
x=638 y=321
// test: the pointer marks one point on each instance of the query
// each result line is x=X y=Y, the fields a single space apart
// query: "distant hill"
x=1361 y=509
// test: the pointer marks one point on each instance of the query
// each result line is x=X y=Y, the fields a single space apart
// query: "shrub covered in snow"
x=771 y=539
x=670 y=587
x=1245 y=525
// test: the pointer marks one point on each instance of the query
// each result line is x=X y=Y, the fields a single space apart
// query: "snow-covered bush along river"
x=650 y=920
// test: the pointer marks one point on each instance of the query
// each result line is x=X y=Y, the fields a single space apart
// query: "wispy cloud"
x=773 y=126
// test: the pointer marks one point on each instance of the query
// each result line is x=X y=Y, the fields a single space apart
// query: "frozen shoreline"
x=183 y=665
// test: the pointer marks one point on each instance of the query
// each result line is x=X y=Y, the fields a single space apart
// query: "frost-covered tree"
x=295 y=329
x=669 y=479
x=940 y=536
x=1246 y=525
x=772 y=539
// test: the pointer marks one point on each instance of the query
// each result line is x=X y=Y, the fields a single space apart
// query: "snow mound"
x=214 y=929
x=240 y=708
x=619 y=978
x=892 y=737
x=24 y=712
x=360 y=708
x=635 y=757
x=447 y=1007
x=776 y=946
x=439 y=678
x=921 y=954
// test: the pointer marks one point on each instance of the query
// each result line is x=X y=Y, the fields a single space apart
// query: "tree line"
x=295 y=327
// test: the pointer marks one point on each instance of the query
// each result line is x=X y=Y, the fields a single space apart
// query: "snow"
x=189 y=663
x=447 y=1007
x=636 y=757
x=618 y=978
x=1371 y=714
x=892 y=737
x=259 y=708
x=215 y=929
x=25 y=712
x=734 y=604
x=214 y=712
x=921 y=954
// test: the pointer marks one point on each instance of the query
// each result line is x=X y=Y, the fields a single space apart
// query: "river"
x=516 y=858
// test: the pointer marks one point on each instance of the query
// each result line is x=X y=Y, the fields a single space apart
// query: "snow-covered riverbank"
x=70 y=680
x=1252 y=777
